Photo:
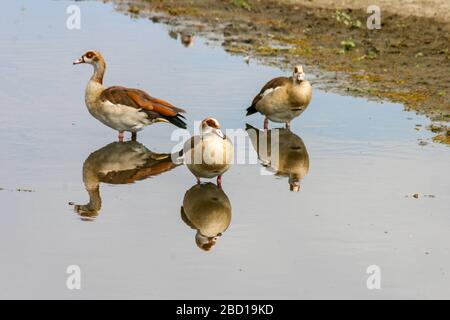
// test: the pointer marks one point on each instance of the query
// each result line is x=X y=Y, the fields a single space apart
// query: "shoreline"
x=407 y=61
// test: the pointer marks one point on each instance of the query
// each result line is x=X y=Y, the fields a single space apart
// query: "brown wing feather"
x=152 y=168
x=118 y=95
x=152 y=171
x=139 y=99
x=272 y=84
x=165 y=104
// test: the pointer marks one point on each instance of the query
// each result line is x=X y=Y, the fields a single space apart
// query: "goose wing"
x=156 y=109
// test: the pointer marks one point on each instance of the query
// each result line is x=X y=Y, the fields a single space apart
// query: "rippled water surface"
x=355 y=207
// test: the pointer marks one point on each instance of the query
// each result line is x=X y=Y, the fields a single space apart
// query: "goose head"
x=211 y=125
x=90 y=211
x=91 y=57
x=298 y=74
x=206 y=243
x=294 y=183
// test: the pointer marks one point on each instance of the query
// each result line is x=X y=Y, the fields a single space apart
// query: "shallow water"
x=355 y=207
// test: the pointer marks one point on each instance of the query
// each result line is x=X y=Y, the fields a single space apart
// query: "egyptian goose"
x=282 y=99
x=124 y=109
x=209 y=154
x=207 y=209
x=292 y=160
x=119 y=163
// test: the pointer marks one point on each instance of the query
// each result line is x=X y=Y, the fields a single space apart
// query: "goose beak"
x=78 y=61
x=220 y=133
x=300 y=77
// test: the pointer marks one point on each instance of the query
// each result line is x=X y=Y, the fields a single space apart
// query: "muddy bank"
x=406 y=61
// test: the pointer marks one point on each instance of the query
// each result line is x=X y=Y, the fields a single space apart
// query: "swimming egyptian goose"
x=283 y=99
x=210 y=154
x=292 y=160
x=124 y=109
x=207 y=209
x=119 y=163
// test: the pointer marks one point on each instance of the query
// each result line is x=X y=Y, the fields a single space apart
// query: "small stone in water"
x=24 y=190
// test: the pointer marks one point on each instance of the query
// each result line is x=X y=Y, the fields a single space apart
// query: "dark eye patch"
x=89 y=55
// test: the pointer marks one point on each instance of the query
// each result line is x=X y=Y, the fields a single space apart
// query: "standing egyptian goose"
x=124 y=109
x=283 y=99
x=209 y=154
x=288 y=158
x=207 y=209
x=119 y=163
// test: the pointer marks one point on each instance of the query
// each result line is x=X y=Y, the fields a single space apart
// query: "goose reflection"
x=118 y=163
x=293 y=158
x=207 y=209
x=186 y=38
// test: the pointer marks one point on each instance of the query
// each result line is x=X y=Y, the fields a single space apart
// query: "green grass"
x=241 y=4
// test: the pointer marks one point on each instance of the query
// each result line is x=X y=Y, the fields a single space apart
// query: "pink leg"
x=120 y=136
x=266 y=123
x=133 y=136
x=219 y=181
x=288 y=125
x=198 y=180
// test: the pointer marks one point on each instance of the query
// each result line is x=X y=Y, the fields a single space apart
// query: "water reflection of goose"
x=293 y=159
x=207 y=209
x=186 y=38
x=119 y=163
